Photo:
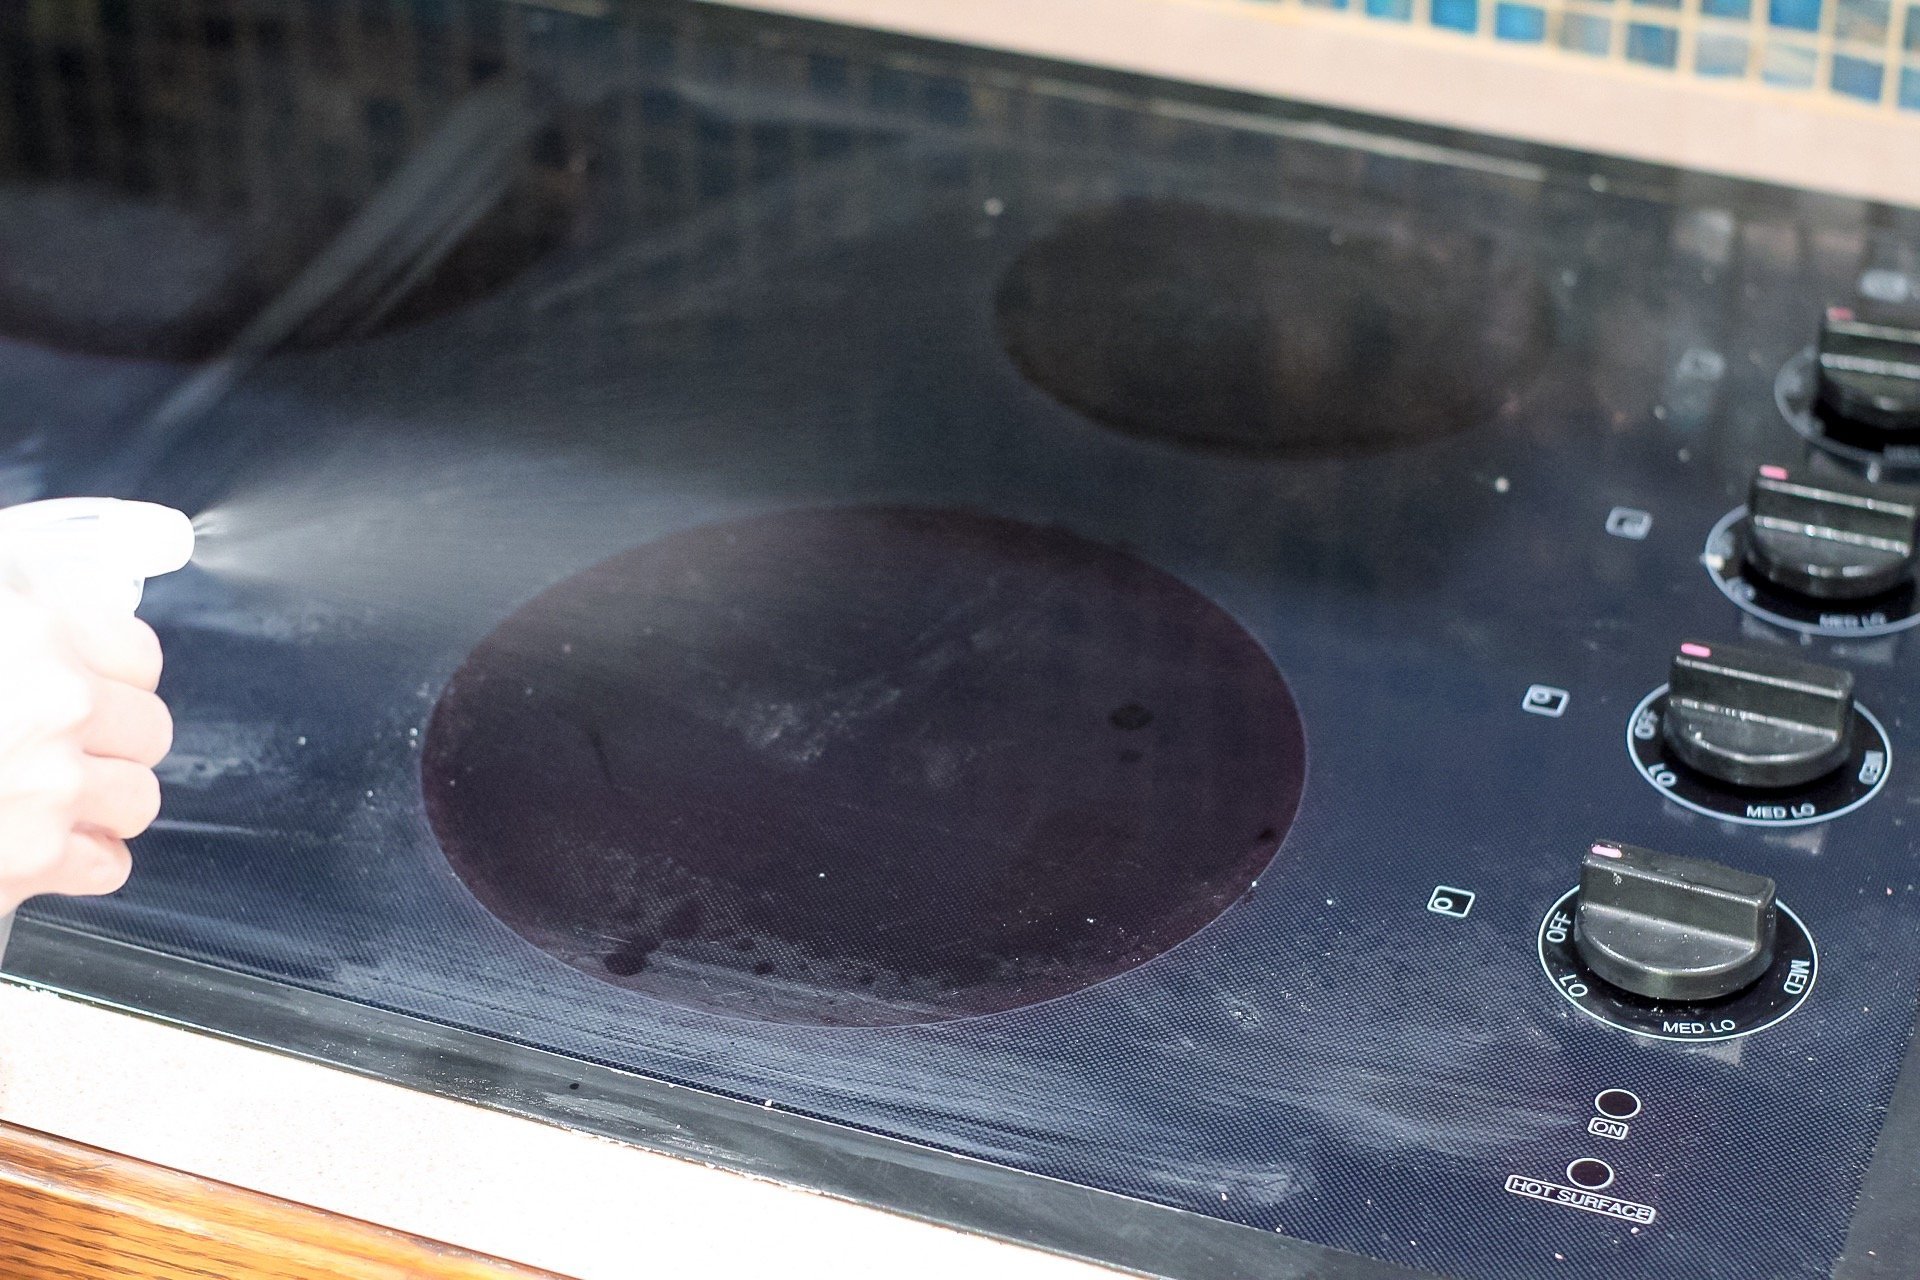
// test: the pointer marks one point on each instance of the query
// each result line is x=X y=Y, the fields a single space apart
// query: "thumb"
x=92 y=863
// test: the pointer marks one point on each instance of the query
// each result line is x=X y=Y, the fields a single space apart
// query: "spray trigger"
x=93 y=552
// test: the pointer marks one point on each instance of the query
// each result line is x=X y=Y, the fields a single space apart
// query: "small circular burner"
x=1165 y=318
x=863 y=766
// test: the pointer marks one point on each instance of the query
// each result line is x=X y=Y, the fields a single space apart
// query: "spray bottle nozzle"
x=97 y=552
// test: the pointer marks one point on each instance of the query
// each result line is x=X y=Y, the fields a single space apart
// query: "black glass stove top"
x=1039 y=649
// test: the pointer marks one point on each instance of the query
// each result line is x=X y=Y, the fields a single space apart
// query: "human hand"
x=81 y=730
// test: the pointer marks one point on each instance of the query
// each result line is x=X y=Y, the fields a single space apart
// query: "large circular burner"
x=1173 y=319
x=863 y=766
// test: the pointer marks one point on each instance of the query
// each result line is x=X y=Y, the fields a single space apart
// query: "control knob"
x=1673 y=929
x=1828 y=540
x=1868 y=369
x=1754 y=718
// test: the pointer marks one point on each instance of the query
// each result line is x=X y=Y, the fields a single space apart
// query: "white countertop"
x=517 y=1189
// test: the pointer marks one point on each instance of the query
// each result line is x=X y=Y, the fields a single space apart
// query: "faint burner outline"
x=1093 y=388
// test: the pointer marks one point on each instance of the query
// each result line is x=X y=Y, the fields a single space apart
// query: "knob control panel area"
x=1829 y=541
x=1820 y=555
x=1855 y=393
x=1750 y=718
x=1676 y=948
x=1868 y=374
x=1754 y=736
x=1671 y=928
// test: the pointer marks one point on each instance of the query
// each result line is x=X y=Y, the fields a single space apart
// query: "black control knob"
x=1869 y=372
x=1826 y=540
x=1755 y=718
x=1670 y=928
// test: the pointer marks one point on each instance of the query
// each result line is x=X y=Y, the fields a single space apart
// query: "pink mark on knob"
x=1841 y=314
x=1774 y=473
x=1696 y=650
x=1608 y=851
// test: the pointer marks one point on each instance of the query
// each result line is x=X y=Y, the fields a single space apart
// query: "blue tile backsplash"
x=1717 y=54
x=1520 y=22
x=1789 y=66
x=1858 y=78
x=1861 y=20
x=1457 y=15
x=1655 y=46
x=1586 y=33
x=1858 y=51
x=1796 y=15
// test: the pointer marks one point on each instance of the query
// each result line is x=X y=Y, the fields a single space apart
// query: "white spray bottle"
x=92 y=554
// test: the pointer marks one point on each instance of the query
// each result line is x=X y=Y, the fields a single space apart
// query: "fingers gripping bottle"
x=91 y=554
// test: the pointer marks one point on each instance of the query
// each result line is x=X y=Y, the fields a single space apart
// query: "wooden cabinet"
x=76 y=1213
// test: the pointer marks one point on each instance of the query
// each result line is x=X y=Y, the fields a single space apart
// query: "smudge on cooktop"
x=1172 y=319
x=86 y=267
x=863 y=766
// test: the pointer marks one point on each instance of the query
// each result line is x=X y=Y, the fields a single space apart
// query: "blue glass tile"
x=1858 y=78
x=1392 y=10
x=1862 y=20
x=1655 y=46
x=1585 y=33
x=1726 y=8
x=1913 y=28
x=1720 y=55
x=1457 y=15
x=1910 y=88
x=1791 y=66
x=1328 y=4
x=1797 y=15
x=1520 y=22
